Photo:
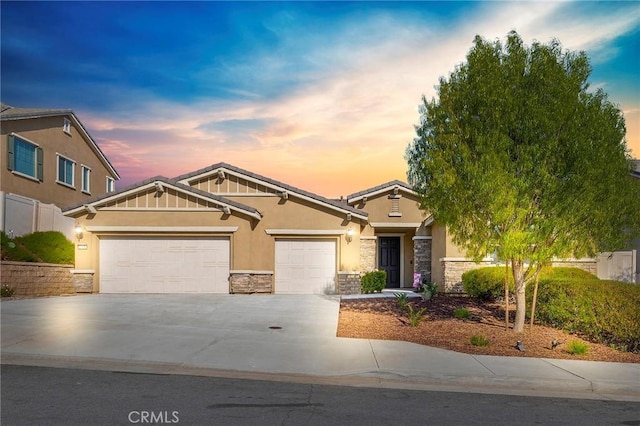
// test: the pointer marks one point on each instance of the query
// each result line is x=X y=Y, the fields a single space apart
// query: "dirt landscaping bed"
x=381 y=318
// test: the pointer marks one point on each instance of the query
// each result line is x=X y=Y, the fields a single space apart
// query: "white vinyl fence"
x=21 y=215
x=618 y=265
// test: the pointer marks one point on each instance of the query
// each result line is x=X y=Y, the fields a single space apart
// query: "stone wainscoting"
x=422 y=257
x=249 y=282
x=37 y=279
x=454 y=268
x=348 y=283
x=368 y=248
x=83 y=280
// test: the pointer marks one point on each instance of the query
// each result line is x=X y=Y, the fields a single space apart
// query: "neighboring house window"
x=67 y=126
x=111 y=185
x=86 y=179
x=24 y=157
x=65 y=170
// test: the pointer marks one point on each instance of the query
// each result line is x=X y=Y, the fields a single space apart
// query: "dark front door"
x=389 y=259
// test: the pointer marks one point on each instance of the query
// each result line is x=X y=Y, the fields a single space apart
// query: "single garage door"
x=164 y=265
x=305 y=266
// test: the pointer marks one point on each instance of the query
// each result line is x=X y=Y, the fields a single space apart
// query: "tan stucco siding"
x=49 y=135
x=380 y=208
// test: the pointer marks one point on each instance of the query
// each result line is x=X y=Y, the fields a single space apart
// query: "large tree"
x=517 y=156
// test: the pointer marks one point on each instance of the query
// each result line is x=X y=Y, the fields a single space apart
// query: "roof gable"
x=8 y=112
x=279 y=187
x=161 y=184
x=376 y=190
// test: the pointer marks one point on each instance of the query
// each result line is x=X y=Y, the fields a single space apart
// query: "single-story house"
x=223 y=229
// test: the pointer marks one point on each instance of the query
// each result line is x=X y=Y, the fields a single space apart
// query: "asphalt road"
x=56 y=396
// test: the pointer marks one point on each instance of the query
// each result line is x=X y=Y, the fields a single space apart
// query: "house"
x=51 y=157
x=223 y=229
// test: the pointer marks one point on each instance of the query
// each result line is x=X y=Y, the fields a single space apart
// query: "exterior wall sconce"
x=349 y=236
x=78 y=231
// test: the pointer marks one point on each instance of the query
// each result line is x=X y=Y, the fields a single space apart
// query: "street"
x=56 y=396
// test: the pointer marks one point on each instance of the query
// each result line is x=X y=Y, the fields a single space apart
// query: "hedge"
x=373 y=282
x=600 y=310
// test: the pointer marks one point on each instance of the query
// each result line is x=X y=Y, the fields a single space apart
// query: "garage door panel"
x=164 y=265
x=305 y=266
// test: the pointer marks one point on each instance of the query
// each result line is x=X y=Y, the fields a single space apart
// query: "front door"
x=389 y=259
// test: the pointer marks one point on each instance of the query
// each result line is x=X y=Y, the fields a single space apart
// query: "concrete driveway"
x=282 y=337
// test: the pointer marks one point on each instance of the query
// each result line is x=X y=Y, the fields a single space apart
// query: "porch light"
x=78 y=231
x=349 y=236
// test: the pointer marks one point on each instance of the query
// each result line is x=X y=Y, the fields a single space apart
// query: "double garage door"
x=164 y=265
x=201 y=265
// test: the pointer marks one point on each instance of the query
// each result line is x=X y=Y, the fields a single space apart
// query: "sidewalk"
x=286 y=338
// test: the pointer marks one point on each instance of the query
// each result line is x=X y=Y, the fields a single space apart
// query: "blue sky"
x=323 y=96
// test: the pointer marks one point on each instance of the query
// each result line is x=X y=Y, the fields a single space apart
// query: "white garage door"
x=164 y=265
x=305 y=266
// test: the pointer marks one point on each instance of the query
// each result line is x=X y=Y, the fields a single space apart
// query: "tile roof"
x=284 y=186
x=170 y=182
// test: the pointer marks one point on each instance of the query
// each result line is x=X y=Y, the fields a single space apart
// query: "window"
x=111 y=184
x=65 y=170
x=24 y=157
x=66 y=126
x=86 y=179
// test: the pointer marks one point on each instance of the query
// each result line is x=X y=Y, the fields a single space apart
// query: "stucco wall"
x=47 y=132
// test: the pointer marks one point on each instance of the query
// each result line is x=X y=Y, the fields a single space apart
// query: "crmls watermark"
x=153 y=417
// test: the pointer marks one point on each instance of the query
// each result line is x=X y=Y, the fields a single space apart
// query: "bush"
x=47 y=247
x=601 y=311
x=461 y=313
x=488 y=283
x=576 y=347
x=6 y=291
x=415 y=317
x=479 y=340
x=373 y=282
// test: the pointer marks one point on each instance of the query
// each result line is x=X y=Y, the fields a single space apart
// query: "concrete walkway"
x=275 y=337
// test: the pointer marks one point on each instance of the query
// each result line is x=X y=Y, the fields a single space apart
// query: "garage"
x=305 y=266
x=164 y=265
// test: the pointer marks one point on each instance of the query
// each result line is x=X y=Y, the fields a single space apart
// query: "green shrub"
x=486 y=283
x=576 y=347
x=461 y=313
x=601 y=311
x=6 y=291
x=47 y=247
x=373 y=282
x=479 y=340
x=415 y=317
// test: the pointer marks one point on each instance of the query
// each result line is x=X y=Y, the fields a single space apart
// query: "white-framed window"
x=111 y=184
x=66 y=170
x=66 y=126
x=24 y=158
x=86 y=179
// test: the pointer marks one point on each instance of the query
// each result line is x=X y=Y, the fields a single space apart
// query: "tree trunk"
x=535 y=296
x=506 y=295
x=521 y=302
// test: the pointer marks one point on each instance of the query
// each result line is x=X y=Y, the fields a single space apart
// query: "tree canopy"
x=517 y=156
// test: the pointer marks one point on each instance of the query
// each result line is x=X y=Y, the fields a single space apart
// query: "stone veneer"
x=37 y=279
x=83 y=280
x=248 y=282
x=349 y=283
x=454 y=268
x=422 y=257
x=368 y=248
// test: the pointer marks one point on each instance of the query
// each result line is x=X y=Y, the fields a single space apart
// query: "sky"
x=323 y=96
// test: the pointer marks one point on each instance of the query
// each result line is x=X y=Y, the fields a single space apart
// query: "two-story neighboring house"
x=49 y=160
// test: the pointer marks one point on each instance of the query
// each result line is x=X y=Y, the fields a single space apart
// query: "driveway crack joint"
x=374 y=355
x=482 y=364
